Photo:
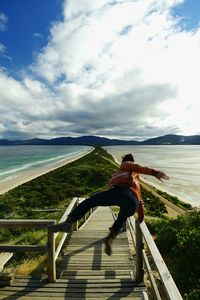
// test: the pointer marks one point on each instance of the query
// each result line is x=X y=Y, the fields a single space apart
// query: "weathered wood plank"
x=91 y=297
x=75 y=284
x=64 y=282
x=77 y=297
x=26 y=223
x=51 y=256
x=16 y=248
x=71 y=290
x=4 y=258
x=79 y=272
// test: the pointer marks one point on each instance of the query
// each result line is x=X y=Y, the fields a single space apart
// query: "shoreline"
x=159 y=187
x=173 y=211
x=26 y=176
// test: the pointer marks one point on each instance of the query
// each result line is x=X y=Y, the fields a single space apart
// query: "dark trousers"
x=119 y=196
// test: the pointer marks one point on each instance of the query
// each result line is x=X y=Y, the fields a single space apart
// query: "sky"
x=125 y=69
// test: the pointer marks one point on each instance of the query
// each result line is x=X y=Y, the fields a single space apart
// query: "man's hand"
x=160 y=175
x=140 y=211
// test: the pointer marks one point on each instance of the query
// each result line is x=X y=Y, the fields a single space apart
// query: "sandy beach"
x=26 y=176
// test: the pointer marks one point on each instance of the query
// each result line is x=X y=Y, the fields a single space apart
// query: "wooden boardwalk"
x=85 y=271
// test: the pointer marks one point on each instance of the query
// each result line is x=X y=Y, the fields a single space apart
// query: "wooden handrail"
x=51 y=237
x=62 y=219
x=19 y=248
x=71 y=206
x=25 y=223
x=169 y=285
x=59 y=247
x=69 y=209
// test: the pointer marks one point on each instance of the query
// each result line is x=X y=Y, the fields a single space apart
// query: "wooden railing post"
x=51 y=262
x=76 y=223
x=85 y=217
x=139 y=258
x=124 y=227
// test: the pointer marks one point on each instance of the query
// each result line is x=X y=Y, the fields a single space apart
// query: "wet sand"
x=26 y=176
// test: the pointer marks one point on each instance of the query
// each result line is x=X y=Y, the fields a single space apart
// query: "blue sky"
x=189 y=11
x=126 y=69
x=28 y=29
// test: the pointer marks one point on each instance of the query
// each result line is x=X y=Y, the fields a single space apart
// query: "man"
x=124 y=192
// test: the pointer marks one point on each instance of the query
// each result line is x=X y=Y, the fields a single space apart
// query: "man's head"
x=128 y=157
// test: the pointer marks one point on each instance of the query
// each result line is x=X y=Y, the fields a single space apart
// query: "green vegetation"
x=153 y=205
x=57 y=188
x=174 y=200
x=179 y=242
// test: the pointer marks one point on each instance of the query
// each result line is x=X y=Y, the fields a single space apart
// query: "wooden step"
x=84 y=271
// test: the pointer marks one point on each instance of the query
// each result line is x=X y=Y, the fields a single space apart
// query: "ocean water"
x=180 y=163
x=15 y=160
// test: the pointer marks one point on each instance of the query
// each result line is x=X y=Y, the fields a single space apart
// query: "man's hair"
x=128 y=157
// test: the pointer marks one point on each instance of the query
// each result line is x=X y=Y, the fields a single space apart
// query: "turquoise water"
x=180 y=163
x=18 y=159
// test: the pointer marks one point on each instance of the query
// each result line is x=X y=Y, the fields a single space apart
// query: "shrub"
x=179 y=242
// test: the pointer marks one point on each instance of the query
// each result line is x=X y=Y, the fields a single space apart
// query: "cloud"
x=3 y=53
x=3 y=27
x=2 y=48
x=24 y=106
x=112 y=68
x=3 y=21
x=38 y=35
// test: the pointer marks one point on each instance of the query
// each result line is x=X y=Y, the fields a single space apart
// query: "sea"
x=15 y=160
x=180 y=162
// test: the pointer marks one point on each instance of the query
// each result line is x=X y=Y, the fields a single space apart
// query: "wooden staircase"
x=85 y=271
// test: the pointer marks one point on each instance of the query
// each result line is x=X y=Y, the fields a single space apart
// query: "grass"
x=31 y=266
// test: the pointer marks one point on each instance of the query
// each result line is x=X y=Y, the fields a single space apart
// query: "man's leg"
x=114 y=231
x=127 y=209
x=106 y=198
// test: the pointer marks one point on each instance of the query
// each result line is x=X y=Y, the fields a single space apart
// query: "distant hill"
x=170 y=139
x=83 y=140
x=173 y=139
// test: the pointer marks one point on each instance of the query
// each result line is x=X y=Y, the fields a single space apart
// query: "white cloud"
x=3 y=21
x=2 y=48
x=122 y=68
x=24 y=107
x=38 y=35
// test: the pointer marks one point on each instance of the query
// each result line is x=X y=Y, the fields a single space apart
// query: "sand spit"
x=26 y=176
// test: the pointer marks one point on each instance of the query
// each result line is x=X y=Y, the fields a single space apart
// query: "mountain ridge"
x=169 y=139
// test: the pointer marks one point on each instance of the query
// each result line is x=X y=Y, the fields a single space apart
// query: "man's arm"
x=131 y=167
